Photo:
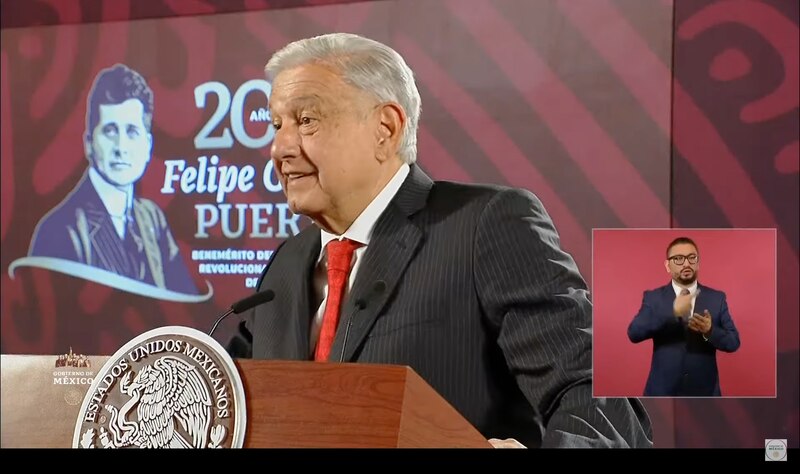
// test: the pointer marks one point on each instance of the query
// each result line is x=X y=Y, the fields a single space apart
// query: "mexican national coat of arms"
x=173 y=387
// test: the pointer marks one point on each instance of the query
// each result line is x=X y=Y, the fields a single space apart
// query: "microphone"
x=243 y=305
x=377 y=289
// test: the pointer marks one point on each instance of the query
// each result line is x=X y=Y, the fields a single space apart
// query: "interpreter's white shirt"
x=692 y=291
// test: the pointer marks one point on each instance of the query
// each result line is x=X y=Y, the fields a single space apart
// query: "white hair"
x=365 y=64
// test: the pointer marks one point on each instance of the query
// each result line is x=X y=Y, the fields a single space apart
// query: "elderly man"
x=466 y=284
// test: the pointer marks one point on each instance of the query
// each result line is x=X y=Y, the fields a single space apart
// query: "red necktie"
x=340 y=255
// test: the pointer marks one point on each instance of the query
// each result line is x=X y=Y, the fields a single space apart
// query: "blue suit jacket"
x=683 y=363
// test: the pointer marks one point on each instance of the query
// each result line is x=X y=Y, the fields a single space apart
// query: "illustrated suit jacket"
x=479 y=300
x=683 y=363
x=79 y=229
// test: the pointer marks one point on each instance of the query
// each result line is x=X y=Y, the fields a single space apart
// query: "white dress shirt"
x=692 y=291
x=118 y=203
x=360 y=231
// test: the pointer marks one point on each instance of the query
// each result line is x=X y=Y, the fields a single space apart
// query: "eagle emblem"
x=164 y=391
x=167 y=394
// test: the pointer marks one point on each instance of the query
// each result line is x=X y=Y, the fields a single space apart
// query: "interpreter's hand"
x=701 y=323
x=506 y=443
x=682 y=305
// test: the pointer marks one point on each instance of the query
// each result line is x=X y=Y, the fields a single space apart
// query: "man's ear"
x=149 y=145
x=389 y=134
x=666 y=266
x=88 y=151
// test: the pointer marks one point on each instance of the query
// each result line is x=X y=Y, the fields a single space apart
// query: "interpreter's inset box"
x=684 y=312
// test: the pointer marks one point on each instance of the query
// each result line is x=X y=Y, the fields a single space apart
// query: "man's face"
x=325 y=143
x=679 y=263
x=120 y=144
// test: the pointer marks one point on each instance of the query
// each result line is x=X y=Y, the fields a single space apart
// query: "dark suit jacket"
x=683 y=364
x=479 y=300
x=80 y=229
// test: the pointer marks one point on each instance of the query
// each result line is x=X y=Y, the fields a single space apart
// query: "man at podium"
x=466 y=284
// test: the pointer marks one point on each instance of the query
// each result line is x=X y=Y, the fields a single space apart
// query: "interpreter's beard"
x=685 y=278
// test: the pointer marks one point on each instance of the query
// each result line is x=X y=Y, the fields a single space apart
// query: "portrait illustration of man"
x=688 y=324
x=102 y=222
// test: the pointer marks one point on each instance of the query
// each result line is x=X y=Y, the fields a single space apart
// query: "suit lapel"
x=668 y=293
x=145 y=223
x=88 y=220
x=701 y=302
x=101 y=244
x=668 y=296
x=308 y=254
x=106 y=246
x=395 y=241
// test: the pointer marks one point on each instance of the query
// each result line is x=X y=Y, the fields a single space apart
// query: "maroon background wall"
x=741 y=263
x=573 y=100
x=735 y=164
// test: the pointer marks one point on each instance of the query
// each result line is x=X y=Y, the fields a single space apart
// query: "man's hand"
x=506 y=443
x=701 y=323
x=682 y=305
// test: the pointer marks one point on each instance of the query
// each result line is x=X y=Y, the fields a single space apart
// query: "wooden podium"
x=289 y=404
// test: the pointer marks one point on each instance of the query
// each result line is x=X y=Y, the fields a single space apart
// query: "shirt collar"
x=116 y=201
x=361 y=229
x=692 y=288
